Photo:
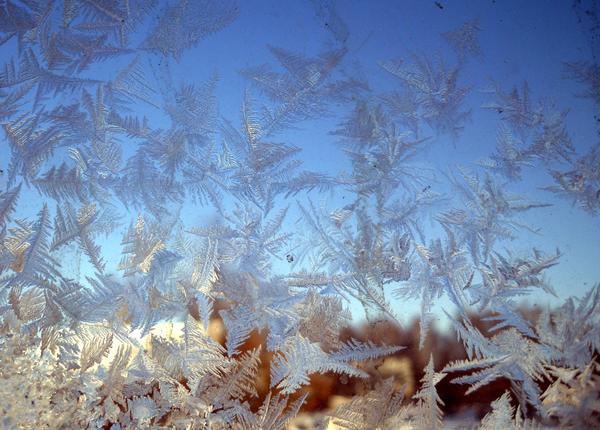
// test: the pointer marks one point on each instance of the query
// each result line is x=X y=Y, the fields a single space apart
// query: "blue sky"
x=520 y=41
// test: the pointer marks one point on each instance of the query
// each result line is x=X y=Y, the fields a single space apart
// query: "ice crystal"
x=226 y=238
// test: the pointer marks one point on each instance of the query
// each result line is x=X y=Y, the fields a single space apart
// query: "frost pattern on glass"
x=130 y=343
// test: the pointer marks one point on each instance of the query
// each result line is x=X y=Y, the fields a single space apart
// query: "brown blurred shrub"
x=329 y=390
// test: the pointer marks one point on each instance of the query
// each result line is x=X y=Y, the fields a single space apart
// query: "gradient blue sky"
x=520 y=41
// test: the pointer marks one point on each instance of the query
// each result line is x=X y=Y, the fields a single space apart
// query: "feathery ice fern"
x=105 y=143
